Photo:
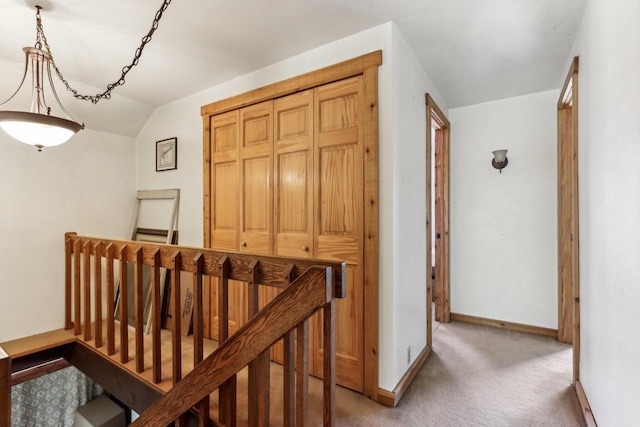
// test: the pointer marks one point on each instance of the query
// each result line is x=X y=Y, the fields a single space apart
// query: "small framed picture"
x=167 y=154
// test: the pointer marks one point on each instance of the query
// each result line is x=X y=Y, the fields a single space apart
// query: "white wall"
x=406 y=191
x=504 y=225
x=85 y=185
x=609 y=174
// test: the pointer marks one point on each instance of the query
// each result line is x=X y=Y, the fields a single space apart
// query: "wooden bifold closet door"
x=287 y=179
x=338 y=219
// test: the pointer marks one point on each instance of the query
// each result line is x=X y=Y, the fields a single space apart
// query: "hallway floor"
x=478 y=376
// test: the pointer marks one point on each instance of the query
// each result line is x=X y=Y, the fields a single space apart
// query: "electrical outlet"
x=409 y=355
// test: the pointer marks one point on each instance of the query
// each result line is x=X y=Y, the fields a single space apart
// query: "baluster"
x=198 y=320
x=111 y=329
x=259 y=375
x=97 y=278
x=198 y=324
x=329 y=353
x=227 y=394
x=68 y=247
x=138 y=301
x=86 y=255
x=124 y=307
x=302 y=374
x=176 y=342
x=77 y=322
x=156 y=306
x=289 y=363
x=289 y=391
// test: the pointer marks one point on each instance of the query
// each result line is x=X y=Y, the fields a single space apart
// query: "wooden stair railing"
x=93 y=262
x=310 y=292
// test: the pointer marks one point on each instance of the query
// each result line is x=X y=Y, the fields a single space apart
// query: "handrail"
x=272 y=269
x=310 y=292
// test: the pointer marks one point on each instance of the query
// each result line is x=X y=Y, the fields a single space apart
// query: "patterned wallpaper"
x=51 y=400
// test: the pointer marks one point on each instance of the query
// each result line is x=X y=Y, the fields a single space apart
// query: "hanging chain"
x=41 y=40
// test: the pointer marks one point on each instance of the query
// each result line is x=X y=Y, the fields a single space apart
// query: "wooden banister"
x=310 y=292
x=270 y=271
x=317 y=283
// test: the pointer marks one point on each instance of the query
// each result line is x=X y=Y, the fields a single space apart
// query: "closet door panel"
x=293 y=148
x=349 y=338
x=224 y=176
x=256 y=196
x=338 y=218
x=225 y=218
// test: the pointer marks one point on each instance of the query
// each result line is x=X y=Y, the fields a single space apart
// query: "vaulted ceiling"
x=473 y=50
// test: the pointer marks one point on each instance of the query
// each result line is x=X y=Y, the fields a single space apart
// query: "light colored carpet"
x=479 y=376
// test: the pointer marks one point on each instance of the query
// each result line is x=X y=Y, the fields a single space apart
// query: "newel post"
x=68 y=247
x=5 y=388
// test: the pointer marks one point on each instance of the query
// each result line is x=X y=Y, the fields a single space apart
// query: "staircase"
x=176 y=382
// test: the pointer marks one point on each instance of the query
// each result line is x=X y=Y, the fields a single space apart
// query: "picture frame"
x=167 y=154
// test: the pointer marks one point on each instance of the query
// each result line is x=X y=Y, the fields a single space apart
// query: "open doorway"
x=568 y=231
x=438 y=129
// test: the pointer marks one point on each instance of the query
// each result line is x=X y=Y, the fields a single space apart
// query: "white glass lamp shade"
x=500 y=156
x=500 y=160
x=38 y=129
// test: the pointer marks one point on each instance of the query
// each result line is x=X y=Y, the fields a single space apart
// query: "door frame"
x=568 y=217
x=441 y=286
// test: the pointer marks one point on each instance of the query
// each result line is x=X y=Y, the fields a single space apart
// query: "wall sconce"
x=500 y=160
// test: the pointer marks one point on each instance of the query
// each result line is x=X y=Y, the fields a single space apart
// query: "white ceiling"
x=473 y=50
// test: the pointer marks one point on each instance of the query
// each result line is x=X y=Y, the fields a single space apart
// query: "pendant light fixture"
x=38 y=127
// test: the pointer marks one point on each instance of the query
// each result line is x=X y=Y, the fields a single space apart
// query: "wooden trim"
x=386 y=398
x=565 y=217
x=428 y=261
x=444 y=194
x=206 y=185
x=371 y=259
x=576 y=229
x=391 y=398
x=36 y=343
x=584 y=405
x=114 y=377
x=441 y=286
x=566 y=89
x=438 y=115
x=332 y=73
x=511 y=326
x=568 y=222
x=38 y=371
